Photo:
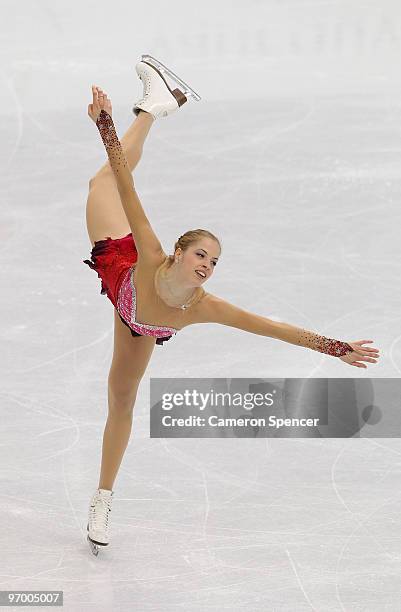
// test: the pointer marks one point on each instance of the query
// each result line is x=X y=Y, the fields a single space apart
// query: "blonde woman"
x=155 y=295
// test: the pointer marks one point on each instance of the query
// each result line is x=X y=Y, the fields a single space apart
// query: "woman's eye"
x=202 y=255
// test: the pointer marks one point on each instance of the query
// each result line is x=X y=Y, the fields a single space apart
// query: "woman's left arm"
x=217 y=310
x=145 y=238
x=146 y=241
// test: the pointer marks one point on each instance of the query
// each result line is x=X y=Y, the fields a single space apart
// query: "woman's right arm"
x=216 y=310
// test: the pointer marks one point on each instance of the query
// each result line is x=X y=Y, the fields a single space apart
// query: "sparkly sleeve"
x=114 y=149
x=219 y=311
x=308 y=339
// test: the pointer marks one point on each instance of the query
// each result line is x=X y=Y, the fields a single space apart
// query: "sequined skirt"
x=111 y=258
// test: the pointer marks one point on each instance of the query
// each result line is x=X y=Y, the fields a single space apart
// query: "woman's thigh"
x=131 y=356
x=105 y=215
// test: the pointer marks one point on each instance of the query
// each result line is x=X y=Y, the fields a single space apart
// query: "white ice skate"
x=159 y=99
x=98 y=523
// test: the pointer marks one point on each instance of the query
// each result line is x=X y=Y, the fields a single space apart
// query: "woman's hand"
x=100 y=102
x=360 y=353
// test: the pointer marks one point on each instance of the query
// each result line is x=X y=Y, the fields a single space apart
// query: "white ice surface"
x=293 y=159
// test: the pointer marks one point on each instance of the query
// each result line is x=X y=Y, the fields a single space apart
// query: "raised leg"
x=105 y=215
x=132 y=143
x=130 y=359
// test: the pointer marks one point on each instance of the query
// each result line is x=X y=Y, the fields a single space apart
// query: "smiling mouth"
x=199 y=275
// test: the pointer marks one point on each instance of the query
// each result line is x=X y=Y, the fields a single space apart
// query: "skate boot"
x=159 y=99
x=98 y=523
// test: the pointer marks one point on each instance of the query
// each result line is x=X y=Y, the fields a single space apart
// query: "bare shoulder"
x=204 y=311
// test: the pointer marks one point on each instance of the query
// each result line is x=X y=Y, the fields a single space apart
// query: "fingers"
x=368 y=359
x=369 y=354
x=362 y=355
x=98 y=91
x=366 y=353
x=95 y=96
x=98 y=95
x=361 y=350
x=359 y=343
x=359 y=363
x=100 y=99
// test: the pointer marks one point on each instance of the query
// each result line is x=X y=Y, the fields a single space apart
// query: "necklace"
x=187 y=303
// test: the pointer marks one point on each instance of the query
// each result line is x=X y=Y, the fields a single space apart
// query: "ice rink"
x=293 y=159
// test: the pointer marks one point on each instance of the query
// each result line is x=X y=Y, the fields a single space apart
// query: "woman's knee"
x=104 y=176
x=122 y=400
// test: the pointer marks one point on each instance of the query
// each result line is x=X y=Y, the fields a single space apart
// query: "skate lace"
x=100 y=509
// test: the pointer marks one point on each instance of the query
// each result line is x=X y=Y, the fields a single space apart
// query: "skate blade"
x=188 y=91
x=94 y=547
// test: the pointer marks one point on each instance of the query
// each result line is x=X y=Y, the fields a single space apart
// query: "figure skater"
x=155 y=295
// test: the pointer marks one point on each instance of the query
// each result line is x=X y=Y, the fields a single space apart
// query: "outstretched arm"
x=219 y=311
x=145 y=238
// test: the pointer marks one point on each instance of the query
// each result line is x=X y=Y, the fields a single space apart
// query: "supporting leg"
x=115 y=439
x=130 y=360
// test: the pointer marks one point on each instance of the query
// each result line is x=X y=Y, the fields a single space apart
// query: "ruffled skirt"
x=110 y=258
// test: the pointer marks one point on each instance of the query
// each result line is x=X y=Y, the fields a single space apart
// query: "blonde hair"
x=190 y=237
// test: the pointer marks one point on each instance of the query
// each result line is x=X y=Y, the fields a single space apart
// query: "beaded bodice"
x=126 y=305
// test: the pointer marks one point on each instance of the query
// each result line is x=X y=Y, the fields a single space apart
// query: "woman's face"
x=199 y=260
